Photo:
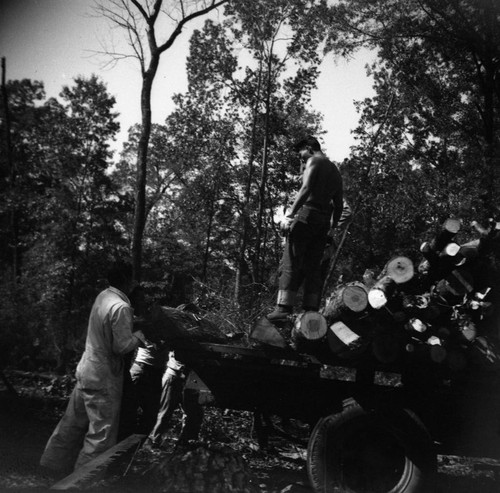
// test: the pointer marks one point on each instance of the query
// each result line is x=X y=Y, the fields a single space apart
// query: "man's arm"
x=310 y=172
x=124 y=340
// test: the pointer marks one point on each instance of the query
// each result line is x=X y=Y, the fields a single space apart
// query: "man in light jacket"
x=93 y=411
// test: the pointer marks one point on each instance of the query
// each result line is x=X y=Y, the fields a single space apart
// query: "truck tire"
x=364 y=451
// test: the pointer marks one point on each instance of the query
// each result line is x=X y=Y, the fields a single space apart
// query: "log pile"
x=444 y=312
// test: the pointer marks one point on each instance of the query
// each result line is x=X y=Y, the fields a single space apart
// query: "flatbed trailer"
x=375 y=429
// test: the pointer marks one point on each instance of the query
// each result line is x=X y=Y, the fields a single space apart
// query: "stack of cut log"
x=446 y=312
x=443 y=313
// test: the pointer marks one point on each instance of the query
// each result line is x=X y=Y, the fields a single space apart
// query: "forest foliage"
x=220 y=167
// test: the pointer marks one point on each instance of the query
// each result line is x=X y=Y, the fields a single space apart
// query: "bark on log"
x=455 y=286
x=429 y=253
x=309 y=325
x=437 y=352
x=369 y=278
x=170 y=324
x=471 y=249
x=265 y=332
x=351 y=298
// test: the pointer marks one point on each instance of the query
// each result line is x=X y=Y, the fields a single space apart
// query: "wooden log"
x=450 y=250
x=480 y=228
x=416 y=301
x=424 y=267
x=455 y=286
x=90 y=472
x=468 y=330
x=345 y=342
x=309 y=325
x=429 y=253
x=350 y=298
x=485 y=353
x=380 y=293
x=416 y=325
x=170 y=324
x=438 y=353
x=470 y=250
x=265 y=332
x=341 y=338
x=423 y=307
x=399 y=269
x=448 y=231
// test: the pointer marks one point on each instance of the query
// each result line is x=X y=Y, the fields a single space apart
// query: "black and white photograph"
x=250 y=246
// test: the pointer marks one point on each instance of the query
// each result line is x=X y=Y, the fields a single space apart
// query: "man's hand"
x=285 y=224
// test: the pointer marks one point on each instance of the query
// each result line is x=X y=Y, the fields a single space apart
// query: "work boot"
x=280 y=313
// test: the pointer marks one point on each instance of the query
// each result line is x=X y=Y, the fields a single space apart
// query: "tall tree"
x=140 y=20
x=67 y=207
x=275 y=34
x=438 y=61
x=444 y=60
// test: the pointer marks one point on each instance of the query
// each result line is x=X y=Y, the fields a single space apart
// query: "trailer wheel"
x=359 y=451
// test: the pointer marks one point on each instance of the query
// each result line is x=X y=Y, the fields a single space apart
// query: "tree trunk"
x=263 y=178
x=142 y=168
x=246 y=213
x=14 y=224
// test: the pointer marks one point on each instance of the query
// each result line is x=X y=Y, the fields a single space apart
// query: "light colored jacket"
x=109 y=337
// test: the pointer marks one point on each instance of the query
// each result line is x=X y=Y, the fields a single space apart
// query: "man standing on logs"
x=316 y=210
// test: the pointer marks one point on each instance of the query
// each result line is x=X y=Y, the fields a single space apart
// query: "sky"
x=55 y=40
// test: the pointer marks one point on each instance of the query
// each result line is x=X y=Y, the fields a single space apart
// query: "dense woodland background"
x=213 y=176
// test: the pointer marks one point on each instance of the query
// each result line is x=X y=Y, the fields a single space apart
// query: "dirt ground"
x=27 y=420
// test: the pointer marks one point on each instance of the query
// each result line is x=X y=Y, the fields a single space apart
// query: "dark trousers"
x=146 y=380
x=172 y=396
x=301 y=262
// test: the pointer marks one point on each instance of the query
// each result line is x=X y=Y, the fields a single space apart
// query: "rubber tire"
x=344 y=448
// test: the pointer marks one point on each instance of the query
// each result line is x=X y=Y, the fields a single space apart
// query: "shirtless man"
x=315 y=210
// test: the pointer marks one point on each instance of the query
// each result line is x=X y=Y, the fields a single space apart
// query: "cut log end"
x=452 y=225
x=355 y=298
x=400 y=269
x=310 y=325
x=377 y=298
